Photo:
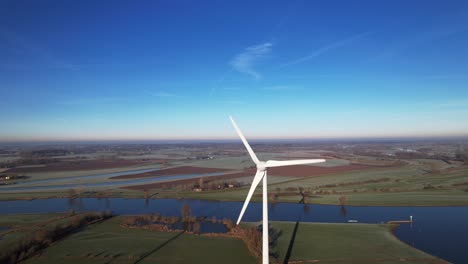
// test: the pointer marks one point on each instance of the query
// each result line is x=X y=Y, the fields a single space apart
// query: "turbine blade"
x=258 y=177
x=246 y=144
x=279 y=163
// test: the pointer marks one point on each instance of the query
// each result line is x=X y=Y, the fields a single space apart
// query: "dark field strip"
x=80 y=165
x=172 y=171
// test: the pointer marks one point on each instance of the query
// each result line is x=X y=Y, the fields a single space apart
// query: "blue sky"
x=87 y=70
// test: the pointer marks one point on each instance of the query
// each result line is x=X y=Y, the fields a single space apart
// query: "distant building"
x=5 y=177
x=203 y=157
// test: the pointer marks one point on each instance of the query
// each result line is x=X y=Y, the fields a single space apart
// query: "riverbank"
x=420 y=199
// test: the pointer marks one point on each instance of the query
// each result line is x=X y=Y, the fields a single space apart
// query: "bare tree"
x=186 y=212
x=343 y=200
x=200 y=182
x=435 y=167
x=197 y=227
x=273 y=197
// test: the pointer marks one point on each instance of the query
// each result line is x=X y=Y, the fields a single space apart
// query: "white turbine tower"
x=262 y=167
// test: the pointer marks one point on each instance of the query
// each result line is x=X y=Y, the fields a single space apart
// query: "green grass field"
x=345 y=243
x=22 y=225
x=108 y=242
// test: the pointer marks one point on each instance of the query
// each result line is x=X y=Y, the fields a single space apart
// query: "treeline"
x=420 y=154
x=331 y=185
x=29 y=161
x=459 y=156
x=252 y=237
x=169 y=223
x=42 y=238
x=143 y=220
x=44 y=153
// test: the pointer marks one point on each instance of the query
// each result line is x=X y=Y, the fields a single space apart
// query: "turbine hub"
x=261 y=166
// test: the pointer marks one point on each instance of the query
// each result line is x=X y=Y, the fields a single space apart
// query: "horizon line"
x=230 y=139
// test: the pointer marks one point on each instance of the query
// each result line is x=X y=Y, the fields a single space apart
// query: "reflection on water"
x=441 y=231
x=306 y=209
x=76 y=204
x=3 y=228
x=108 y=207
x=343 y=211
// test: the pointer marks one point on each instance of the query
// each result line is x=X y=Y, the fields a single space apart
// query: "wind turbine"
x=262 y=167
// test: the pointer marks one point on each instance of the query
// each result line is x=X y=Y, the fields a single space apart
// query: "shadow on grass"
x=291 y=243
x=296 y=226
x=158 y=247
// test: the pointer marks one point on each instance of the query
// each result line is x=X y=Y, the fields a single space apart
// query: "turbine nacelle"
x=262 y=166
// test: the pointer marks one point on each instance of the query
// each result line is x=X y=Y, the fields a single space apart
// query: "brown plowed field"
x=81 y=165
x=249 y=172
x=171 y=171
x=293 y=171
x=308 y=171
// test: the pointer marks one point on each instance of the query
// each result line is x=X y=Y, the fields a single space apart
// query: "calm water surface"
x=440 y=231
x=3 y=228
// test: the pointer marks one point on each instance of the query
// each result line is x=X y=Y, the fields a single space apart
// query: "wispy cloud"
x=324 y=49
x=245 y=61
x=423 y=37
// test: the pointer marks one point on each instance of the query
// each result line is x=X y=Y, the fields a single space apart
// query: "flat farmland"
x=79 y=165
x=172 y=171
x=406 y=185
